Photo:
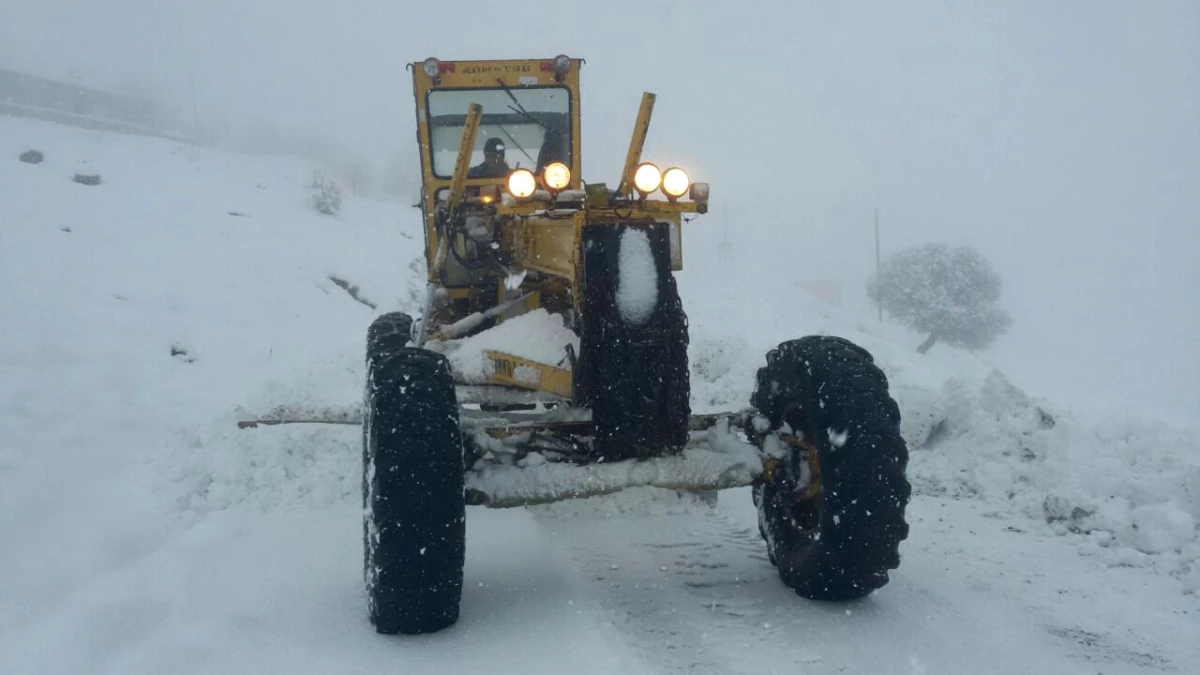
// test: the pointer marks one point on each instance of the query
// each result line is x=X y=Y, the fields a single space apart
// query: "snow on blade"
x=637 y=288
x=722 y=461
x=538 y=336
x=350 y=413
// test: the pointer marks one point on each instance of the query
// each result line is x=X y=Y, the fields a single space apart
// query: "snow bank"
x=1130 y=486
x=189 y=283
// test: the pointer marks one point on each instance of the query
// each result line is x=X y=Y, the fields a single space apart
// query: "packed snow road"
x=627 y=584
x=693 y=592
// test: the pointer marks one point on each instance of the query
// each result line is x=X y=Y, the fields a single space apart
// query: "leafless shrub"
x=326 y=195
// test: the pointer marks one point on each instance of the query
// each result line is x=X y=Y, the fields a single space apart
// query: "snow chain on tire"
x=825 y=394
x=389 y=332
x=634 y=377
x=415 y=519
x=386 y=333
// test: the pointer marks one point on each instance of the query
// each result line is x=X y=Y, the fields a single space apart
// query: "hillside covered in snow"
x=141 y=318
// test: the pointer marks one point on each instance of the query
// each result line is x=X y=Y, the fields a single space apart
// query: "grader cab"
x=550 y=362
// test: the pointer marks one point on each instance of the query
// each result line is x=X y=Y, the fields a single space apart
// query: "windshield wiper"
x=514 y=142
x=520 y=109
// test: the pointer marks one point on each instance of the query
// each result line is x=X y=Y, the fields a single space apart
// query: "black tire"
x=634 y=377
x=389 y=332
x=840 y=543
x=414 y=510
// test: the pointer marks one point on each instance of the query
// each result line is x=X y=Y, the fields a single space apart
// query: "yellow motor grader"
x=521 y=249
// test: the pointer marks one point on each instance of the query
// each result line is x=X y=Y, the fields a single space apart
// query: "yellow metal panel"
x=514 y=73
x=652 y=206
x=514 y=371
x=463 y=162
x=634 y=156
x=548 y=245
x=626 y=212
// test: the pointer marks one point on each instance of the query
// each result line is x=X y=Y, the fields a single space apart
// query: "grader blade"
x=343 y=414
x=514 y=371
x=716 y=459
x=351 y=413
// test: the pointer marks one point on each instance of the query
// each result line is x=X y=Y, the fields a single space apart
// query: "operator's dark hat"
x=493 y=145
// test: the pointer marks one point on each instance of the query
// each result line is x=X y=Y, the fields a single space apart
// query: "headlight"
x=647 y=178
x=431 y=67
x=562 y=63
x=521 y=183
x=556 y=176
x=675 y=183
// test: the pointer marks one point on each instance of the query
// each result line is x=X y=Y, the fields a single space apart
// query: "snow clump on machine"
x=637 y=289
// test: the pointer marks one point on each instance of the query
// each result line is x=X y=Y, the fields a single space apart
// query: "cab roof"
x=561 y=70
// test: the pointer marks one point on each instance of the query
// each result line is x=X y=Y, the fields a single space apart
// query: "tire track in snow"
x=690 y=590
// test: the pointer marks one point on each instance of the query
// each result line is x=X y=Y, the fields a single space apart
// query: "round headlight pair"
x=556 y=176
x=674 y=182
x=522 y=183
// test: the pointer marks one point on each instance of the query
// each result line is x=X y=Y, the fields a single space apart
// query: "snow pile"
x=538 y=336
x=1134 y=487
x=216 y=466
x=1157 y=528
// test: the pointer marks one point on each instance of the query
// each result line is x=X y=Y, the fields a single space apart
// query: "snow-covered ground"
x=142 y=532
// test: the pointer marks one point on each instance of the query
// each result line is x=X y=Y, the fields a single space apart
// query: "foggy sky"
x=1060 y=138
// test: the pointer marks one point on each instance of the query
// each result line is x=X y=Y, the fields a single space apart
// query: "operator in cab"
x=493 y=165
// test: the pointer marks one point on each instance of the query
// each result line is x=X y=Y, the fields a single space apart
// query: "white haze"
x=1061 y=139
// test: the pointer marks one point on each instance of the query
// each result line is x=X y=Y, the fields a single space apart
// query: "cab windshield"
x=529 y=125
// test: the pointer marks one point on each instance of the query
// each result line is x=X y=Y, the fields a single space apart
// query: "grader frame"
x=540 y=239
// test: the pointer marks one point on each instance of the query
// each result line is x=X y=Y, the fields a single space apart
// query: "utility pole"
x=880 y=302
x=725 y=247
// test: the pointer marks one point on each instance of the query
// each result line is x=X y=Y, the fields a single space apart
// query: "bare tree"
x=951 y=294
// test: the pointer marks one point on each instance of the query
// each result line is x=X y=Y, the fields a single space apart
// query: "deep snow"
x=143 y=532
